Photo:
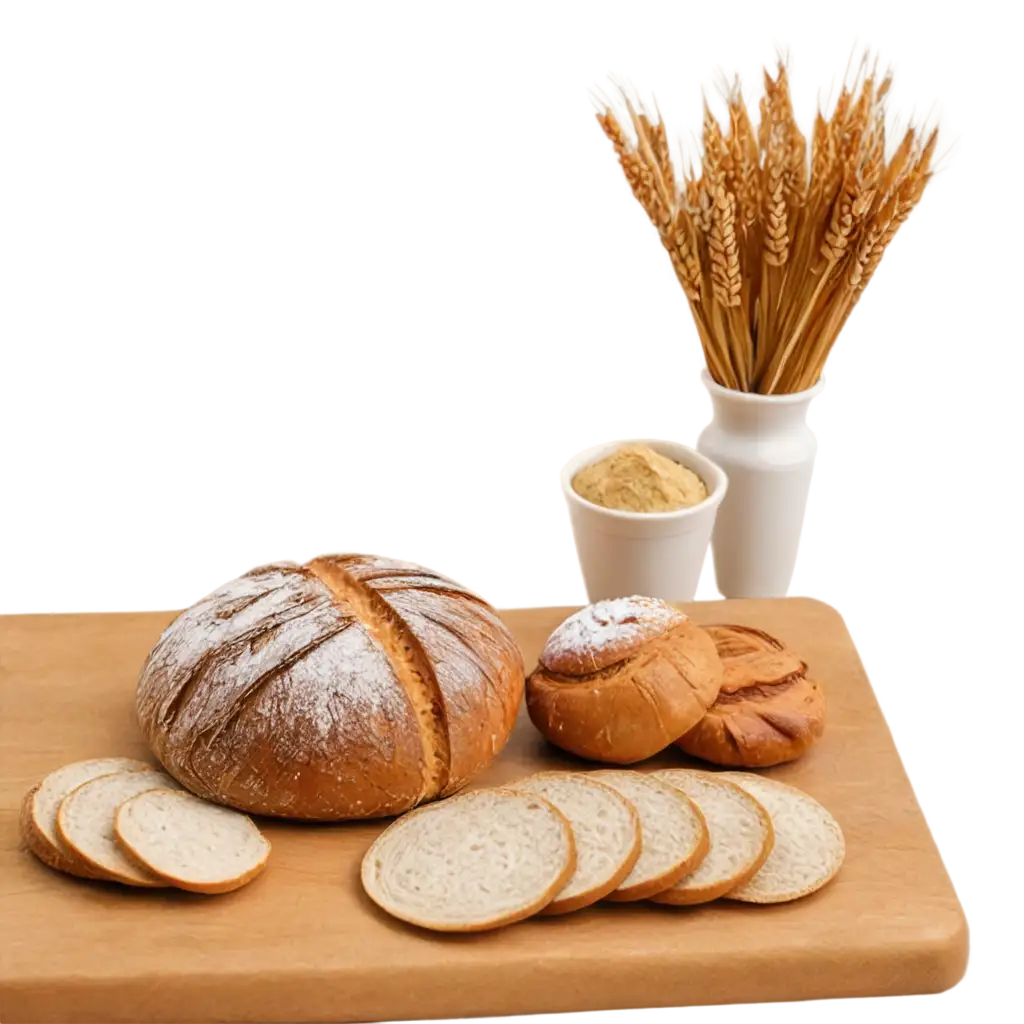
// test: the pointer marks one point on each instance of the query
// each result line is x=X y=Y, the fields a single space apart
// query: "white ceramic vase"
x=767 y=451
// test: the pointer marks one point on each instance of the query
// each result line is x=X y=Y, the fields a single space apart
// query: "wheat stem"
x=773 y=245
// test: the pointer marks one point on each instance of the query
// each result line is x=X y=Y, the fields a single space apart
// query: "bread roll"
x=350 y=687
x=767 y=712
x=622 y=679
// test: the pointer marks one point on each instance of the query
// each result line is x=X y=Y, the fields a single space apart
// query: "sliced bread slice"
x=606 y=830
x=674 y=837
x=472 y=862
x=809 y=846
x=741 y=836
x=85 y=822
x=39 y=810
x=189 y=843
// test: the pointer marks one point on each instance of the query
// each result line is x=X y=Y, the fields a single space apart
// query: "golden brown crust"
x=37 y=843
x=630 y=710
x=477 y=662
x=768 y=711
x=277 y=695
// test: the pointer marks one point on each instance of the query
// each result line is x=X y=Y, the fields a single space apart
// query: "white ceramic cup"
x=655 y=554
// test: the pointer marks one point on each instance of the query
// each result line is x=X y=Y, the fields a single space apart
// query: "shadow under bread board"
x=303 y=943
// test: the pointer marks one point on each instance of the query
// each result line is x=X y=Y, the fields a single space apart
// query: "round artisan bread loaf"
x=622 y=679
x=349 y=687
x=767 y=711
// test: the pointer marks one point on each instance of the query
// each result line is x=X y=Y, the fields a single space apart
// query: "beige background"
x=299 y=280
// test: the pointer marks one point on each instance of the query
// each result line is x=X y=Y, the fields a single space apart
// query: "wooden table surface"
x=949 y=674
x=303 y=943
x=948 y=671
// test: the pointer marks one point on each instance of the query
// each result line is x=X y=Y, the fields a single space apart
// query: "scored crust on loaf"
x=606 y=632
x=477 y=861
x=740 y=833
x=808 y=850
x=272 y=696
x=605 y=828
x=85 y=822
x=410 y=663
x=477 y=662
x=39 y=810
x=674 y=837
x=189 y=843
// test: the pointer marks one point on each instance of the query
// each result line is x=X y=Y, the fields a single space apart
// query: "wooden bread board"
x=303 y=943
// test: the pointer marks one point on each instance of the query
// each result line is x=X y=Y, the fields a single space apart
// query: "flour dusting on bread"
x=285 y=693
x=608 y=624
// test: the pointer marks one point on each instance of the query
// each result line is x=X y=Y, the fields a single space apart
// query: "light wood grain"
x=302 y=943
x=946 y=671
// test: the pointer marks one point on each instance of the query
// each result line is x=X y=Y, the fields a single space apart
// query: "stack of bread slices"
x=557 y=842
x=121 y=820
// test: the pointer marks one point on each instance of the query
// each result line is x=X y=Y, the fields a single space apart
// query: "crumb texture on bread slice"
x=86 y=823
x=39 y=812
x=808 y=849
x=606 y=830
x=739 y=830
x=674 y=837
x=190 y=843
x=475 y=861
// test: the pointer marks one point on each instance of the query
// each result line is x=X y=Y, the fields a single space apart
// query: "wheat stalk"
x=773 y=245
